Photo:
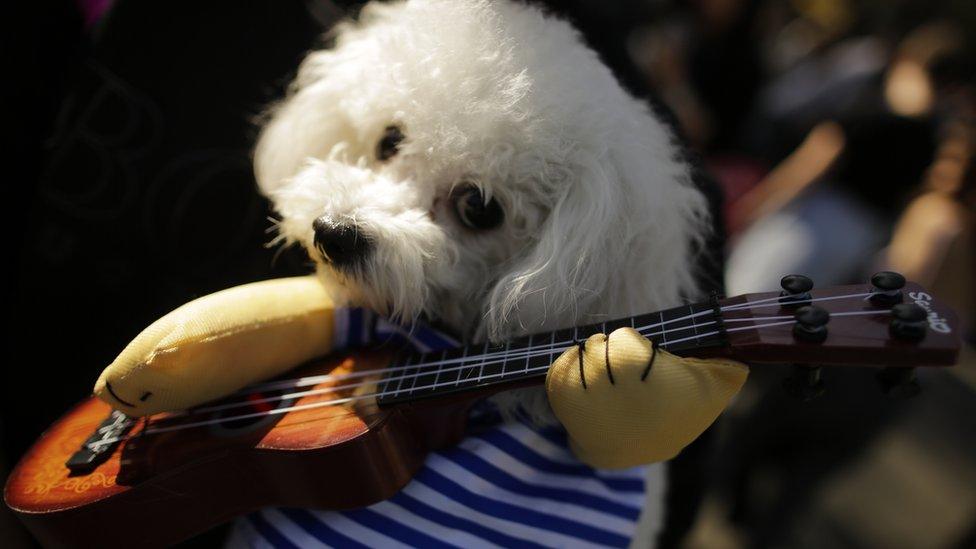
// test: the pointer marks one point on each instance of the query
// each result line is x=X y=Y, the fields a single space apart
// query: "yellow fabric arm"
x=630 y=421
x=219 y=343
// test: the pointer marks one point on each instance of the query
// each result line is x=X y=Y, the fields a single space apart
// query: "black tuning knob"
x=899 y=383
x=805 y=383
x=909 y=322
x=811 y=324
x=886 y=288
x=796 y=288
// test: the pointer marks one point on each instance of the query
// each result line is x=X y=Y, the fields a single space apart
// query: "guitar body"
x=332 y=457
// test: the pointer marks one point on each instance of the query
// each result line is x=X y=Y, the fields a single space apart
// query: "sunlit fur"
x=601 y=218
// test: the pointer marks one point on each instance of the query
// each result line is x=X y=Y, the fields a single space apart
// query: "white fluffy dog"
x=474 y=163
x=500 y=178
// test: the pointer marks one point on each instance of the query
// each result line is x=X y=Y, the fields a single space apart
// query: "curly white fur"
x=600 y=213
x=601 y=218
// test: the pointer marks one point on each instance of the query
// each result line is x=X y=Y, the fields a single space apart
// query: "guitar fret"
x=415 y=373
x=537 y=359
x=663 y=330
x=450 y=372
x=552 y=347
x=481 y=364
x=488 y=368
x=484 y=362
x=384 y=387
x=400 y=381
x=461 y=375
x=505 y=363
x=694 y=325
x=437 y=378
x=440 y=366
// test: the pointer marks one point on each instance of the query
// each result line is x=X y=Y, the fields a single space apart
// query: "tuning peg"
x=886 y=288
x=811 y=324
x=796 y=288
x=805 y=383
x=900 y=383
x=908 y=322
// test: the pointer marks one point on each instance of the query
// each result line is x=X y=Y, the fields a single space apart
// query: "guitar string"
x=276 y=411
x=314 y=380
x=344 y=400
x=523 y=354
x=380 y=394
x=465 y=363
x=829 y=298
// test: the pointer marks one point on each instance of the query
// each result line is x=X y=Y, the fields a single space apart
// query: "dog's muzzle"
x=341 y=243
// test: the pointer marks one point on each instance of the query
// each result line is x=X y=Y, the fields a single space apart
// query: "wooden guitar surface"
x=330 y=457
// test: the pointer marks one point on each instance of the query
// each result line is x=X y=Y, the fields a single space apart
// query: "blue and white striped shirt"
x=509 y=485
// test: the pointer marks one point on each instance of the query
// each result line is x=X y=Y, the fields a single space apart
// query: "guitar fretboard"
x=423 y=375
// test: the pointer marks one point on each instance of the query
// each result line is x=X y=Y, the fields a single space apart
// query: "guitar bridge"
x=96 y=448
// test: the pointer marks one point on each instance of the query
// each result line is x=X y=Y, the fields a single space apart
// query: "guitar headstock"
x=887 y=323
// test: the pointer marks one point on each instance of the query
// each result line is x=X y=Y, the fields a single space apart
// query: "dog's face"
x=474 y=162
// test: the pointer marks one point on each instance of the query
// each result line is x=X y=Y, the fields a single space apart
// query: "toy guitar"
x=353 y=429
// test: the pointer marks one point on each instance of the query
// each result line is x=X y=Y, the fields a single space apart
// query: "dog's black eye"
x=473 y=211
x=389 y=143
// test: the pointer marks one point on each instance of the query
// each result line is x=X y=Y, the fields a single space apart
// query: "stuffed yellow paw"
x=217 y=344
x=619 y=413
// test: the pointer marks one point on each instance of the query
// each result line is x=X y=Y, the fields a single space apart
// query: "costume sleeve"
x=625 y=403
x=219 y=343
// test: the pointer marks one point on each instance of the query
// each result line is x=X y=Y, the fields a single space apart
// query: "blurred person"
x=709 y=61
x=933 y=241
x=829 y=203
x=828 y=207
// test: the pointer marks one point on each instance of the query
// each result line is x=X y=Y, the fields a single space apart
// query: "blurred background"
x=842 y=132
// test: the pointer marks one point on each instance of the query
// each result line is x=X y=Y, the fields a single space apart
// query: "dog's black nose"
x=339 y=243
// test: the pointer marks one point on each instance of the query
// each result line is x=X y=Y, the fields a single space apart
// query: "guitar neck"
x=696 y=329
x=858 y=329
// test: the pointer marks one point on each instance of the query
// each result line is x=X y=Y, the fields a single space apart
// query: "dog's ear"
x=312 y=122
x=619 y=238
x=306 y=124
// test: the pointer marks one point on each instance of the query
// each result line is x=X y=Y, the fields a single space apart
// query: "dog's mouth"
x=376 y=283
x=355 y=288
x=353 y=280
x=354 y=272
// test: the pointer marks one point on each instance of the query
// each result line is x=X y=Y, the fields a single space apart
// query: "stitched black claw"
x=650 y=362
x=582 y=347
x=606 y=355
